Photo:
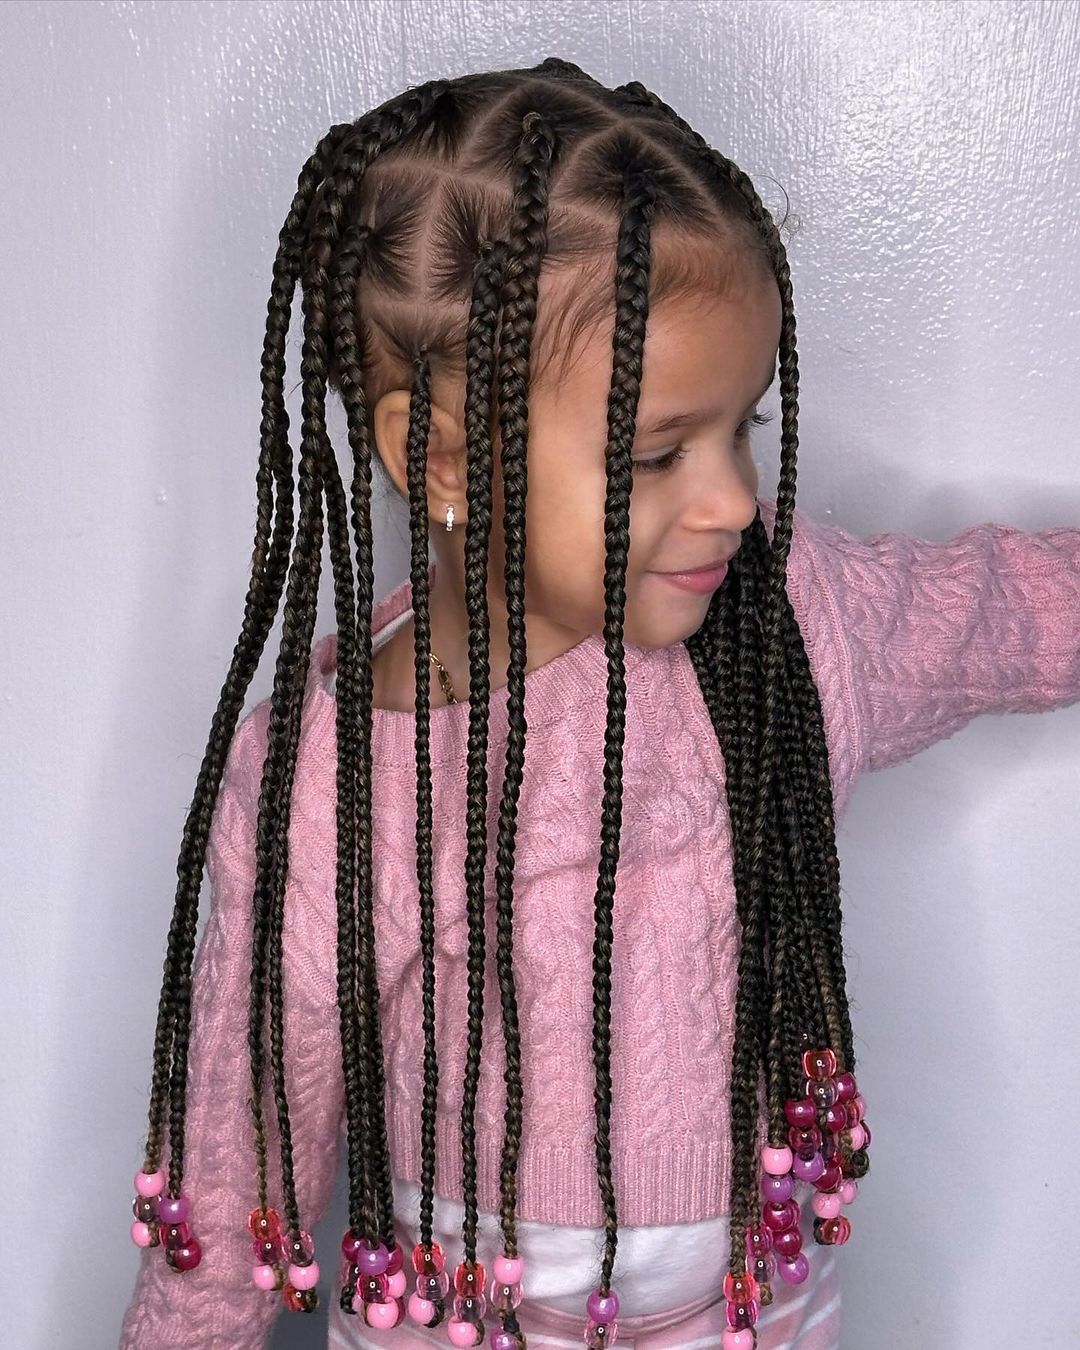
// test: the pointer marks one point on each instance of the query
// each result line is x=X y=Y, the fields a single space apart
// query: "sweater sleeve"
x=216 y=1306
x=937 y=632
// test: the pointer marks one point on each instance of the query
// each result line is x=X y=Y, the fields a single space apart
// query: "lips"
x=713 y=566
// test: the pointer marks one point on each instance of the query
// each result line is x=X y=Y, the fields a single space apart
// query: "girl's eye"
x=672 y=457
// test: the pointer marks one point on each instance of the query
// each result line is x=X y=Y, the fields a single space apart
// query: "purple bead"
x=372 y=1261
x=808 y=1169
x=602 y=1309
x=173 y=1211
x=778 y=1189
x=794 y=1272
x=502 y=1340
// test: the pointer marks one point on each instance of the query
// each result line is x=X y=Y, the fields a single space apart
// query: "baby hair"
x=419 y=233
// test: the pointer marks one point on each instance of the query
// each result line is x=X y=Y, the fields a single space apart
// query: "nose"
x=727 y=503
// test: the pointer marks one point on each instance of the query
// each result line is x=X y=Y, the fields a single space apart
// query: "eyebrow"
x=683 y=419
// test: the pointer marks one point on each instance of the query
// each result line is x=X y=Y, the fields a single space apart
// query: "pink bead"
x=463 y=1333
x=304 y=1277
x=737 y=1340
x=381 y=1316
x=776 y=1161
x=150 y=1183
x=397 y=1283
x=602 y=1309
x=858 y=1137
x=421 y=1310
x=794 y=1272
x=141 y=1234
x=509 y=1269
x=826 y=1204
x=264 y=1277
x=502 y=1340
x=849 y=1190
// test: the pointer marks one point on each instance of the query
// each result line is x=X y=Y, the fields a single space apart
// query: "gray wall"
x=929 y=152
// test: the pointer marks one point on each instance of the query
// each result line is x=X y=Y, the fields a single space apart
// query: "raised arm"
x=216 y=1306
x=935 y=633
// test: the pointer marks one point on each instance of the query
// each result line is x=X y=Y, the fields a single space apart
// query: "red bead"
x=800 y=1111
x=299 y=1300
x=266 y=1225
x=299 y=1248
x=373 y=1288
x=788 y=1243
x=186 y=1257
x=805 y=1140
x=837 y=1118
x=845 y=1086
x=267 y=1251
x=740 y=1288
x=832 y=1178
x=759 y=1240
x=822 y=1091
x=832 y=1232
x=144 y=1207
x=350 y=1246
x=469 y=1280
x=428 y=1263
x=819 y=1063
x=779 y=1216
x=175 y=1235
x=742 y=1316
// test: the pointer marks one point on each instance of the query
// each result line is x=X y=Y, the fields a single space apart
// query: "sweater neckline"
x=552 y=691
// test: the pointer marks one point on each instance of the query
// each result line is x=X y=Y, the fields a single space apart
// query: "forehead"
x=706 y=350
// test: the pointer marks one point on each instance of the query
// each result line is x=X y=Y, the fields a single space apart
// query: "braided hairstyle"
x=485 y=179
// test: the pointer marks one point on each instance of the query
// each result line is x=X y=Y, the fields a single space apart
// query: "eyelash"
x=672 y=457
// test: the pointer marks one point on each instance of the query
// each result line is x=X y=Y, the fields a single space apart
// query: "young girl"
x=546 y=305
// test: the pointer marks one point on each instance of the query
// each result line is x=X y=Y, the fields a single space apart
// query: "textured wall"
x=150 y=152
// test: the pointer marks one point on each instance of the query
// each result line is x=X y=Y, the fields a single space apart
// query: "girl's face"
x=694 y=486
x=706 y=362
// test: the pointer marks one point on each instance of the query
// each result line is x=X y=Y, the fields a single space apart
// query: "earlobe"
x=446 y=451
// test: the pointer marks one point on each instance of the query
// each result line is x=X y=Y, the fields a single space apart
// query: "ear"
x=446 y=452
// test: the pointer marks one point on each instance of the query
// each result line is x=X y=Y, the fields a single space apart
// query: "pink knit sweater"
x=908 y=640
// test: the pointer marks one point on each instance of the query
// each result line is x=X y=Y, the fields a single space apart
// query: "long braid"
x=479 y=382
x=631 y=312
x=525 y=244
x=348 y=266
x=269 y=558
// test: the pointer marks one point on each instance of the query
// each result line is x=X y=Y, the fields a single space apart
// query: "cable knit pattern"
x=907 y=639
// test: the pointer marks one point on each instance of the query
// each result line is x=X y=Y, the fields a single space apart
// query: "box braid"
x=627 y=152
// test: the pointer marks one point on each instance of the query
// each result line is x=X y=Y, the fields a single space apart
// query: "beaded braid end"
x=827 y=1145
